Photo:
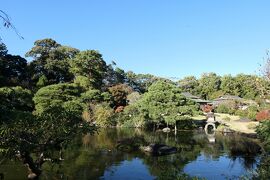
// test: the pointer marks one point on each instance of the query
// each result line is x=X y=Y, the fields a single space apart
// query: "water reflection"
x=96 y=157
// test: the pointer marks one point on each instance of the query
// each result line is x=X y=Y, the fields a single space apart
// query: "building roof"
x=227 y=97
x=195 y=98
x=189 y=95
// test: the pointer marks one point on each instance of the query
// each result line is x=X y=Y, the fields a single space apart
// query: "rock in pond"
x=166 y=130
x=130 y=144
x=159 y=149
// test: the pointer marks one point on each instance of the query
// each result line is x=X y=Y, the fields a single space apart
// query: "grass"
x=232 y=122
x=199 y=117
x=235 y=124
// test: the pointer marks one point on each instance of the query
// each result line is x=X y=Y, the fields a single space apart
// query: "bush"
x=227 y=118
x=103 y=115
x=92 y=95
x=14 y=100
x=131 y=117
x=241 y=113
x=263 y=131
x=222 y=108
x=252 y=115
x=251 y=126
x=54 y=95
x=252 y=112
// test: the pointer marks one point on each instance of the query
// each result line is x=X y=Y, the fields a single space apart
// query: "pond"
x=199 y=155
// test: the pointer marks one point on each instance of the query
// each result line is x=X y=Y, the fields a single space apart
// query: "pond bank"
x=232 y=123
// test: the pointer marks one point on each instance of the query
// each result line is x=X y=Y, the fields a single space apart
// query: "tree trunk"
x=34 y=170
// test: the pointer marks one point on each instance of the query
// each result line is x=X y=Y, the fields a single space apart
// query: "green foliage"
x=51 y=60
x=241 y=113
x=164 y=102
x=13 y=70
x=223 y=108
x=55 y=95
x=103 y=115
x=42 y=81
x=227 y=118
x=91 y=96
x=189 y=84
x=229 y=85
x=131 y=117
x=89 y=64
x=263 y=131
x=208 y=84
x=252 y=112
x=14 y=100
x=3 y=49
x=83 y=82
x=107 y=97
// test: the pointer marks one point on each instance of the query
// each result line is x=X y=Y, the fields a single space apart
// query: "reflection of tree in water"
x=235 y=146
x=96 y=154
x=35 y=140
x=89 y=156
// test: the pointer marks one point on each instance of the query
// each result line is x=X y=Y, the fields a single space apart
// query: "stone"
x=166 y=129
x=159 y=149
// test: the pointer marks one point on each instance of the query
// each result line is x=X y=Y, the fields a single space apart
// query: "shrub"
x=54 y=95
x=131 y=117
x=263 y=131
x=241 y=113
x=103 y=115
x=251 y=126
x=252 y=112
x=92 y=95
x=222 y=108
x=227 y=118
x=82 y=81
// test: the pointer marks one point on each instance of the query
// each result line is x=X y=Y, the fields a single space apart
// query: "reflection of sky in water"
x=218 y=168
x=207 y=167
x=133 y=169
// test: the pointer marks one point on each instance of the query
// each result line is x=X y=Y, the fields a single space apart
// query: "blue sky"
x=173 y=38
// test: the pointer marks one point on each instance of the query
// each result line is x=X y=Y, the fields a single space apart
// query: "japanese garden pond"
x=95 y=156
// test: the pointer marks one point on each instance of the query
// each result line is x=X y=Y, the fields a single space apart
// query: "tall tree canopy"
x=51 y=60
x=164 y=102
x=208 y=84
x=90 y=64
x=13 y=69
x=189 y=84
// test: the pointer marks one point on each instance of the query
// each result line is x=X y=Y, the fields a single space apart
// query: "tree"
x=189 y=84
x=53 y=95
x=141 y=82
x=51 y=60
x=3 y=50
x=13 y=70
x=208 y=84
x=229 y=85
x=40 y=138
x=89 y=64
x=103 y=115
x=14 y=101
x=119 y=93
x=248 y=88
x=164 y=103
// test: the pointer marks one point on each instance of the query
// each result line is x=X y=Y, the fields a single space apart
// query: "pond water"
x=96 y=157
